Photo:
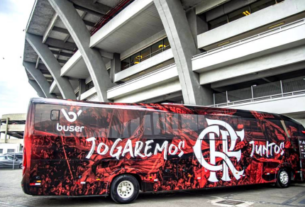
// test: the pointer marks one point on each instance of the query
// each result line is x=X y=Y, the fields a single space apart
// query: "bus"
x=75 y=148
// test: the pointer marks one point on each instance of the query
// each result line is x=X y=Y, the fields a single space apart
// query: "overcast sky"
x=15 y=91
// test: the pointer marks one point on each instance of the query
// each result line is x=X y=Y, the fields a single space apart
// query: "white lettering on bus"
x=128 y=148
x=119 y=149
x=147 y=148
x=138 y=148
x=99 y=147
x=162 y=148
x=69 y=128
x=91 y=139
x=268 y=149
x=70 y=117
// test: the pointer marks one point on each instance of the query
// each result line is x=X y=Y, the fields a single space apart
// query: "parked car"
x=18 y=155
x=8 y=161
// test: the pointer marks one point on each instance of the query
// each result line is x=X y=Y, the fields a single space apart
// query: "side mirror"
x=16 y=159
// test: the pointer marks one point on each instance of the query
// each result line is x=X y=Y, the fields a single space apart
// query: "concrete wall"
x=208 y=5
x=6 y=146
x=75 y=67
x=88 y=93
x=251 y=22
x=227 y=8
x=269 y=43
x=155 y=60
x=164 y=89
x=144 y=44
x=119 y=20
x=142 y=83
x=255 y=65
x=93 y=98
x=284 y=105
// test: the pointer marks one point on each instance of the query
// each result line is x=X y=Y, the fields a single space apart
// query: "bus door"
x=297 y=139
x=301 y=144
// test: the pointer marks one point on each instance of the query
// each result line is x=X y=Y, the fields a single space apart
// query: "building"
x=247 y=54
x=11 y=132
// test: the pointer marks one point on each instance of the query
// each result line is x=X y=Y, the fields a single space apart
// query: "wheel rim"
x=284 y=178
x=125 y=189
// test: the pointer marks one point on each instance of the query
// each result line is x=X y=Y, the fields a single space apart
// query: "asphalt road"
x=11 y=194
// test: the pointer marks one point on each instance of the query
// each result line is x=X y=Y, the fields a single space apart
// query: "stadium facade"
x=246 y=54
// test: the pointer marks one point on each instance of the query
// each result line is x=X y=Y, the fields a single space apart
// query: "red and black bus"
x=75 y=148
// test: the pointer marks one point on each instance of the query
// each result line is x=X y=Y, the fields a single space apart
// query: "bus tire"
x=124 y=189
x=283 y=178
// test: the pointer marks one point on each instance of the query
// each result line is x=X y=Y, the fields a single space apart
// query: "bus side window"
x=134 y=125
x=155 y=124
x=292 y=129
x=148 y=124
x=202 y=123
x=127 y=130
x=255 y=128
x=173 y=123
x=42 y=117
x=276 y=131
x=117 y=123
x=189 y=123
x=159 y=126
x=302 y=131
x=54 y=115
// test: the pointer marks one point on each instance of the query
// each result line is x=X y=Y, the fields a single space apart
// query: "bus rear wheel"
x=124 y=189
x=283 y=178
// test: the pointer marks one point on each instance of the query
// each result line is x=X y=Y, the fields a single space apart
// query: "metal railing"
x=272 y=90
x=250 y=37
x=147 y=56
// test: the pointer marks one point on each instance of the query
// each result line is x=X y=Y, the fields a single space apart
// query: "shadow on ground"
x=155 y=197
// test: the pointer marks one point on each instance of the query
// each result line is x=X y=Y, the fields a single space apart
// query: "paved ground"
x=262 y=195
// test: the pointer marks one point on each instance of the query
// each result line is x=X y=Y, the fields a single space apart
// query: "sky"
x=15 y=91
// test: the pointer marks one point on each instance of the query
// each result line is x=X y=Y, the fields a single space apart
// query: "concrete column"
x=183 y=45
x=40 y=79
x=197 y=24
x=6 y=130
x=115 y=66
x=81 y=37
x=37 y=88
x=82 y=88
x=52 y=64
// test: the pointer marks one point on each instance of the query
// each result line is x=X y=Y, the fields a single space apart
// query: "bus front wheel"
x=283 y=178
x=124 y=189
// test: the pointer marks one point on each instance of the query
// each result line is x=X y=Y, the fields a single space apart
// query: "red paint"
x=58 y=158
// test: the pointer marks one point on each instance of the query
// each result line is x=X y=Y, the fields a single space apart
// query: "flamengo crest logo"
x=73 y=114
x=226 y=153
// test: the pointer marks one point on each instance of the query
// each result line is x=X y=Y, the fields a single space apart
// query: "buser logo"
x=73 y=114
x=70 y=117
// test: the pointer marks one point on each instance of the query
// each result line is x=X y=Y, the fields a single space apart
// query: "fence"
x=282 y=88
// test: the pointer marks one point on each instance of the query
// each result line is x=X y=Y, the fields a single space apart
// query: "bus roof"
x=150 y=106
